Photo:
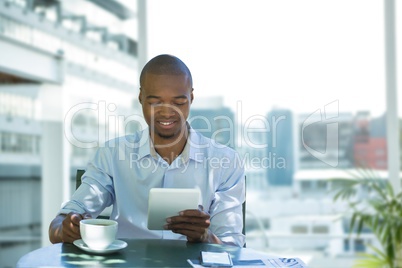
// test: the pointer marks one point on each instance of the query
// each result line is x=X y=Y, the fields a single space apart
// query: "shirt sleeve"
x=226 y=210
x=96 y=191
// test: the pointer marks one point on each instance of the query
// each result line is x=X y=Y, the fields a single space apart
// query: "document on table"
x=270 y=263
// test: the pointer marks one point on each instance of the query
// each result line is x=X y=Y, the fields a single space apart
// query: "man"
x=168 y=154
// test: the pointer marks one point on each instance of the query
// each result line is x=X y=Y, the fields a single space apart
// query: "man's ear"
x=191 y=96
x=140 y=96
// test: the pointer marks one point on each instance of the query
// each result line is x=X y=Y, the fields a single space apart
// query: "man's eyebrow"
x=181 y=97
x=153 y=97
x=158 y=97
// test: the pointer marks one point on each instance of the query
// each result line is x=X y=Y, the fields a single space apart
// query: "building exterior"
x=359 y=141
x=281 y=147
x=370 y=142
x=214 y=121
x=68 y=79
x=254 y=158
x=325 y=142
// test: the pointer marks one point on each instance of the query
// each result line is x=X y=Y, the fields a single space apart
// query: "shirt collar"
x=194 y=144
x=145 y=141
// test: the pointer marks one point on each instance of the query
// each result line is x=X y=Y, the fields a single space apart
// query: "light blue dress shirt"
x=125 y=169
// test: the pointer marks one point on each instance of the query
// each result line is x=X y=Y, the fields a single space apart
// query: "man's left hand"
x=194 y=224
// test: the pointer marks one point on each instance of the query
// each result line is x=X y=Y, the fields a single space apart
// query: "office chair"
x=78 y=176
x=244 y=209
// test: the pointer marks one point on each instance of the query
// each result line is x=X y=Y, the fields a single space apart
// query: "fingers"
x=70 y=238
x=71 y=226
x=194 y=213
x=71 y=229
x=193 y=232
x=190 y=216
x=192 y=223
x=75 y=218
x=192 y=235
x=188 y=224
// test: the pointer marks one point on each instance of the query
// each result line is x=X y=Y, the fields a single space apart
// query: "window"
x=306 y=185
x=320 y=229
x=322 y=185
x=19 y=143
x=299 y=229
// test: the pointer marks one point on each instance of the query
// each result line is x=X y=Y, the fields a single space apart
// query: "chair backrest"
x=244 y=218
x=244 y=208
x=78 y=176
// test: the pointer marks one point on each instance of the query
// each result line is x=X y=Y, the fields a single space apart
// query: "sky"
x=298 y=55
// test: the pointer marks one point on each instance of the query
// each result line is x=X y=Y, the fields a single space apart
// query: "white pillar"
x=142 y=33
x=55 y=152
x=392 y=96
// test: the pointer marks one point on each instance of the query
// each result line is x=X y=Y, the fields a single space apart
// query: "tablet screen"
x=167 y=202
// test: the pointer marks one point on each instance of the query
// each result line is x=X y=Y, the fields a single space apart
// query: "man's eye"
x=180 y=103
x=154 y=103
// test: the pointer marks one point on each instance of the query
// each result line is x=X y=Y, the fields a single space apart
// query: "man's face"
x=166 y=103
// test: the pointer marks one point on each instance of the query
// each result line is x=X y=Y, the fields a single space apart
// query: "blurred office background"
x=298 y=88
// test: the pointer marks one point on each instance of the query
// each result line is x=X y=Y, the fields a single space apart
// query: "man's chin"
x=171 y=134
x=166 y=136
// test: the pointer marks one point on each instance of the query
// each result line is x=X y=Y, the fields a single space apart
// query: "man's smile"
x=166 y=123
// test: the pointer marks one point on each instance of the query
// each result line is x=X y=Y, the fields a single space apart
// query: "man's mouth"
x=166 y=123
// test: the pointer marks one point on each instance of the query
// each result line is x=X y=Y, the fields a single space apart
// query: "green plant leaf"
x=379 y=209
x=377 y=251
x=360 y=224
x=371 y=261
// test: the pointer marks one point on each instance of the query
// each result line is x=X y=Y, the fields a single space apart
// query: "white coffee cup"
x=98 y=234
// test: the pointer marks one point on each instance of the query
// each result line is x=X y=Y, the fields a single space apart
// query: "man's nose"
x=167 y=110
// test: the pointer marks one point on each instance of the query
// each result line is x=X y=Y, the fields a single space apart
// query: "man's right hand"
x=66 y=228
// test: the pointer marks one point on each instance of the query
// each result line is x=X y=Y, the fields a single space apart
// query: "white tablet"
x=167 y=202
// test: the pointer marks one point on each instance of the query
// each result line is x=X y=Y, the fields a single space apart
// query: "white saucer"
x=115 y=246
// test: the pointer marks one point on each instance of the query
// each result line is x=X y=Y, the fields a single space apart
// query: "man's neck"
x=170 y=149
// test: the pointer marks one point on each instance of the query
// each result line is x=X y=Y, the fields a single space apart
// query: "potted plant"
x=374 y=204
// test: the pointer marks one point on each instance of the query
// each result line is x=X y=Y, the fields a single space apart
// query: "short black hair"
x=166 y=64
